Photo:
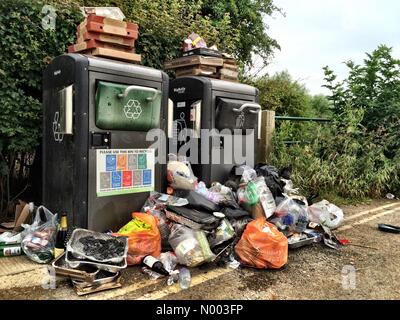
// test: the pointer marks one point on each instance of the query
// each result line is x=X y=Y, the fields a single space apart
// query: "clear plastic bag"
x=191 y=246
x=212 y=196
x=248 y=174
x=180 y=174
x=247 y=194
x=289 y=188
x=39 y=237
x=326 y=214
x=266 y=198
x=223 y=233
x=169 y=261
x=291 y=214
x=227 y=197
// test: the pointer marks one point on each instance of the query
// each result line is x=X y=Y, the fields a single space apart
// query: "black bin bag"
x=206 y=220
x=197 y=201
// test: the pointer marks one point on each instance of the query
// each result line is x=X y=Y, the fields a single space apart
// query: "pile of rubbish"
x=251 y=220
x=199 y=60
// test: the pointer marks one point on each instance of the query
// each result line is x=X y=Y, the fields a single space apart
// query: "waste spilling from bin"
x=246 y=221
x=199 y=60
x=250 y=219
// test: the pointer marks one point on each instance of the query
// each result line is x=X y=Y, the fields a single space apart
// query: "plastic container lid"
x=219 y=215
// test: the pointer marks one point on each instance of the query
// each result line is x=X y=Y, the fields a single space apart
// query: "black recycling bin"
x=97 y=164
x=206 y=103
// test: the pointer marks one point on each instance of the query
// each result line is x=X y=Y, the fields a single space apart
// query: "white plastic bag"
x=191 y=247
x=327 y=214
x=180 y=174
x=39 y=237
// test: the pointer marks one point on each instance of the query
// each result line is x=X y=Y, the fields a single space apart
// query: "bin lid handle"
x=249 y=105
x=131 y=88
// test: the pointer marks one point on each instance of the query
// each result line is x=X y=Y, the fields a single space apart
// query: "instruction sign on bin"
x=124 y=171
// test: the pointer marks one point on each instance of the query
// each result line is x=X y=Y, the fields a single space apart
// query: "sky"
x=316 y=33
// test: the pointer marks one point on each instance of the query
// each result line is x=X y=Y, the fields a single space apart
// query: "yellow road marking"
x=123 y=291
x=196 y=280
x=363 y=213
x=344 y=228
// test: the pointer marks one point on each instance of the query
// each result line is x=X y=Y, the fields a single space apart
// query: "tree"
x=235 y=26
x=247 y=18
x=284 y=95
x=358 y=154
x=374 y=88
x=321 y=106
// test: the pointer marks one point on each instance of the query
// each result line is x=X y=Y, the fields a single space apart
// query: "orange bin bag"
x=262 y=246
x=144 y=242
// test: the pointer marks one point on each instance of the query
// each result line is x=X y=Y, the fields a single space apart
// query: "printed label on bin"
x=146 y=177
x=122 y=162
x=111 y=163
x=116 y=178
x=124 y=171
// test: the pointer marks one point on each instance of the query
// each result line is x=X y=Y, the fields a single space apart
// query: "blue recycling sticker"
x=116 y=179
x=146 y=177
x=111 y=162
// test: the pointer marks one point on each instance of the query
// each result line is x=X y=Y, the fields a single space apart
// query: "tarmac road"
x=315 y=272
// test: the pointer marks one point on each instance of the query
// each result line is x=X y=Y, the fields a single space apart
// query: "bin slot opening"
x=127 y=107
x=236 y=114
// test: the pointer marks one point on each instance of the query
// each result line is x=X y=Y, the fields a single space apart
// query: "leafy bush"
x=26 y=48
x=357 y=155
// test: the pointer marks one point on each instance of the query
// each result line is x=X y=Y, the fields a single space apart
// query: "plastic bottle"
x=184 y=278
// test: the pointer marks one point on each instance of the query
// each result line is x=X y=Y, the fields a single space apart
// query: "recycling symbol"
x=132 y=109
x=240 y=120
x=58 y=136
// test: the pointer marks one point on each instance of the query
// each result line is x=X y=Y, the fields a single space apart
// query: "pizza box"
x=193 y=72
x=104 y=37
x=87 y=26
x=192 y=61
x=114 y=54
x=228 y=73
x=231 y=67
x=202 y=52
x=112 y=22
x=91 y=44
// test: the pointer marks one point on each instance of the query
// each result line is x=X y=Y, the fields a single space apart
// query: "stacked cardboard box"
x=205 y=63
x=229 y=70
x=109 y=38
